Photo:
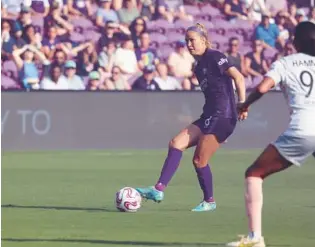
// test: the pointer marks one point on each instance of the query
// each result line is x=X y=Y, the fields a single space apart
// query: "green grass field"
x=65 y=199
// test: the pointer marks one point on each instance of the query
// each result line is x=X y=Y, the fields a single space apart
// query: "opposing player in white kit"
x=296 y=76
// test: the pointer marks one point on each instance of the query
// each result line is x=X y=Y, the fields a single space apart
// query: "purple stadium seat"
x=202 y=17
x=160 y=26
x=175 y=37
x=77 y=37
x=9 y=67
x=165 y=52
x=306 y=10
x=92 y=35
x=269 y=53
x=159 y=38
x=208 y=9
x=257 y=80
x=150 y=25
x=38 y=24
x=163 y=24
x=84 y=23
x=248 y=82
x=245 y=49
x=192 y=10
x=275 y=6
x=219 y=38
x=183 y=24
x=8 y=83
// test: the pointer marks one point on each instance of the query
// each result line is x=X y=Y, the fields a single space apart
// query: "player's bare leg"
x=206 y=147
x=269 y=162
x=188 y=137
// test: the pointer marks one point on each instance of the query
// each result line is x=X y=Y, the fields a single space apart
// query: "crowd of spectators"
x=137 y=44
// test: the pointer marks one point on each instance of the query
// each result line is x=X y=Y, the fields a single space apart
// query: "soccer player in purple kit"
x=215 y=125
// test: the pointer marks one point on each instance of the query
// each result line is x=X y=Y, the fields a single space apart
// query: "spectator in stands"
x=117 y=81
x=60 y=21
x=10 y=8
x=128 y=12
x=24 y=19
x=112 y=32
x=146 y=82
x=146 y=55
x=87 y=60
x=94 y=83
x=281 y=23
x=147 y=9
x=268 y=32
x=80 y=8
x=288 y=50
x=8 y=43
x=233 y=54
x=125 y=59
x=24 y=60
x=300 y=16
x=165 y=81
x=180 y=61
x=292 y=15
x=74 y=82
x=50 y=42
x=256 y=8
x=117 y=4
x=106 y=58
x=312 y=15
x=235 y=9
x=19 y=41
x=255 y=63
x=31 y=37
x=59 y=58
x=191 y=84
x=105 y=13
x=171 y=10
x=55 y=80
x=137 y=27
x=38 y=7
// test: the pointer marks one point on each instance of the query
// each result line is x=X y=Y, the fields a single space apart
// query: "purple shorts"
x=220 y=127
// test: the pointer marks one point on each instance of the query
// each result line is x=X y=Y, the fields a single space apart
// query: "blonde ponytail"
x=201 y=29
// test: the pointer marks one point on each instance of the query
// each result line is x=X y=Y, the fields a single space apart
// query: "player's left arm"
x=238 y=78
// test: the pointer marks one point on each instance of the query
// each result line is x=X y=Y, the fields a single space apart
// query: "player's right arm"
x=272 y=78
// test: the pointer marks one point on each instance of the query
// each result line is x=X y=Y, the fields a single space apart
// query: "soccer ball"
x=128 y=200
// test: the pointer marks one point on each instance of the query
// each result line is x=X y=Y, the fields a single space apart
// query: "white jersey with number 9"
x=296 y=76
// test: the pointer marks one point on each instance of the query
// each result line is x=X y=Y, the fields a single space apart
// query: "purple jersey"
x=216 y=85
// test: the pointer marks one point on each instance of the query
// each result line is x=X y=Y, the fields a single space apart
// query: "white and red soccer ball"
x=128 y=200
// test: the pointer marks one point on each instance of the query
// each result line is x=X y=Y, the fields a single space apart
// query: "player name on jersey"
x=304 y=63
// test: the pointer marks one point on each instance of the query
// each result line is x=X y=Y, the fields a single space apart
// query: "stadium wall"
x=109 y=120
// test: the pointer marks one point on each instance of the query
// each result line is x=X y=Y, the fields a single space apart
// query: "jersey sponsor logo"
x=222 y=61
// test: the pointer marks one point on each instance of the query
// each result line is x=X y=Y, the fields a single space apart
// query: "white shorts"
x=295 y=149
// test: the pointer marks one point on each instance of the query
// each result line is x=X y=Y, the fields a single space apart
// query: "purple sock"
x=169 y=168
x=205 y=180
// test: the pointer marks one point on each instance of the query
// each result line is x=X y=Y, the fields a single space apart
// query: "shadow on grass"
x=61 y=208
x=116 y=242
x=111 y=242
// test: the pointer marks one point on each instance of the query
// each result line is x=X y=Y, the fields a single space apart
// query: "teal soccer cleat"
x=205 y=206
x=151 y=193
